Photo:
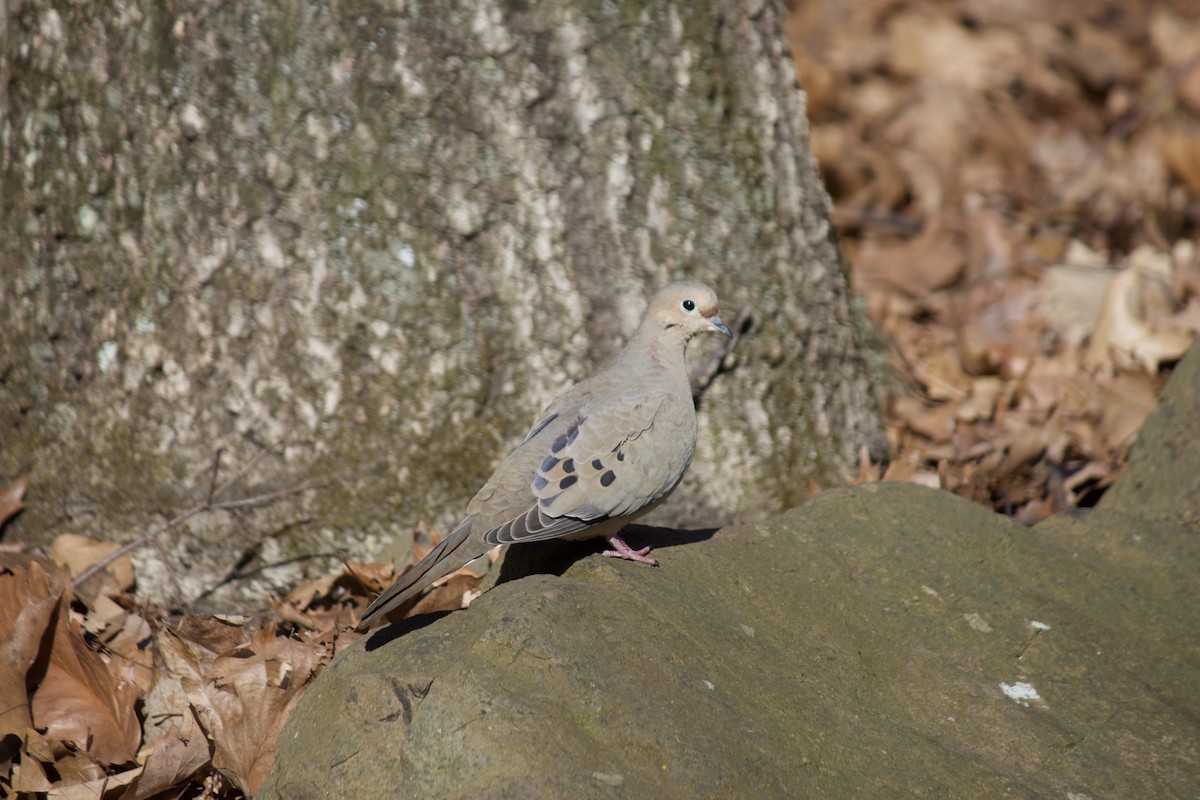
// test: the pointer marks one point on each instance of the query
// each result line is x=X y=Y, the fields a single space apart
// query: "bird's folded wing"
x=621 y=453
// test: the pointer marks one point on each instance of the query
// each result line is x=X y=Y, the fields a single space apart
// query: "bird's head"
x=686 y=308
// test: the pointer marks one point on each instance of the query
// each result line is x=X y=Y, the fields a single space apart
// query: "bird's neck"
x=660 y=357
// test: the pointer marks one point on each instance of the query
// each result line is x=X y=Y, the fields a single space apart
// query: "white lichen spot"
x=977 y=622
x=192 y=121
x=333 y=396
x=322 y=350
x=674 y=24
x=488 y=27
x=710 y=685
x=930 y=591
x=174 y=382
x=465 y=215
x=106 y=356
x=1020 y=692
x=319 y=133
x=412 y=85
x=308 y=414
x=406 y=256
x=87 y=219
x=608 y=778
x=358 y=298
x=746 y=629
x=578 y=84
x=618 y=183
x=268 y=248
x=1040 y=626
x=683 y=68
x=144 y=323
x=1078 y=796
x=389 y=362
x=658 y=215
x=50 y=26
x=378 y=328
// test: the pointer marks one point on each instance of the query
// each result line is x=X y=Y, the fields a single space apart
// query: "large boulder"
x=879 y=642
x=1163 y=477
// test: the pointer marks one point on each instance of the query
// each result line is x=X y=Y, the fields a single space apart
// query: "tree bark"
x=365 y=242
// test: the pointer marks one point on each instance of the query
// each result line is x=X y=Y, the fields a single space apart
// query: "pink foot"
x=622 y=550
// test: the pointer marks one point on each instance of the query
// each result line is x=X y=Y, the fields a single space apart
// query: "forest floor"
x=1017 y=189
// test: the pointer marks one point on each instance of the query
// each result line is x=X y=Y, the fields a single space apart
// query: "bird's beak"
x=721 y=327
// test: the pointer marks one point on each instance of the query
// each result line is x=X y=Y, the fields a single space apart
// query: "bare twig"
x=207 y=505
x=216 y=468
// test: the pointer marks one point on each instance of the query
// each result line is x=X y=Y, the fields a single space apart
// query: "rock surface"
x=1163 y=477
x=886 y=641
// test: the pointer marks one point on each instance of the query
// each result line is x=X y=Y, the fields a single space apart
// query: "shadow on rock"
x=393 y=631
x=557 y=556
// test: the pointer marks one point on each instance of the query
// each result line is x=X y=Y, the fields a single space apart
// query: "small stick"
x=208 y=505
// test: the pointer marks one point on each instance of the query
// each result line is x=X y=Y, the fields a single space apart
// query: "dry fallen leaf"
x=27 y=602
x=80 y=701
x=1128 y=400
x=103 y=787
x=29 y=777
x=11 y=498
x=126 y=638
x=170 y=760
x=914 y=267
x=1135 y=330
x=244 y=702
x=78 y=553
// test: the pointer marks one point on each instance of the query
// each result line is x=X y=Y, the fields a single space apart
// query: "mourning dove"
x=607 y=451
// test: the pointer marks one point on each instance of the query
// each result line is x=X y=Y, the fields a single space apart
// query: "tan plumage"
x=607 y=451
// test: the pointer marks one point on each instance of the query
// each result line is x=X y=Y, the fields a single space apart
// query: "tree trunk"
x=365 y=242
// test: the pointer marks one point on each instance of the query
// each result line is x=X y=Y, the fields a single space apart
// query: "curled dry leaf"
x=29 y=776
x=11 y=498
x=126 y=638
x=170 y=760
x=1135 y=329
x=80 y=701
x=1128 y=400
x=28 y=597
x=78 y=553
x=914 y=267
x=248 y=695
x=104 y=787
x=46 y=757
x=1071 y=296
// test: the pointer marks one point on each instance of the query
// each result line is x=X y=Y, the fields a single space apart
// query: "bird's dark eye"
x=688 y=305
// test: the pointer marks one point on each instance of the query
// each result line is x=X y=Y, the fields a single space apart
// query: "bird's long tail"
x=457 y=549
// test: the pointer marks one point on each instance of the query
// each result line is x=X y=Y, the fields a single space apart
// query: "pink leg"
x=622 y=550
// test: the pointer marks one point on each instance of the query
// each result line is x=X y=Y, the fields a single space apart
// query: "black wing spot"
x=567 y=482
x=607 y=478
x=540 y=483
x=568 y=465
x=620 y=455
x=566 y=439
x=549 y=463
x=597 y=464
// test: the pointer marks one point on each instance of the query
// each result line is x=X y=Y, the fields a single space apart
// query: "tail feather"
x=456 y=550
